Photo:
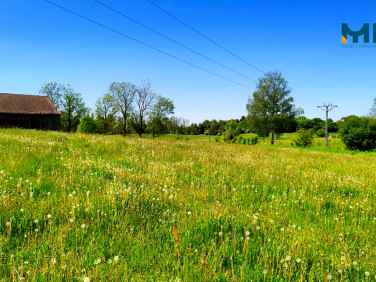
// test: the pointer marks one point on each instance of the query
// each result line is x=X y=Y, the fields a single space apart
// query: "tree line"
x=127 y=108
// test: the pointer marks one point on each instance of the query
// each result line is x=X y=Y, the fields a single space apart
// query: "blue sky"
x=302 y=39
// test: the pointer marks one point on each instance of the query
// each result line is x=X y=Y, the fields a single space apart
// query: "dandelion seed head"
x=97 y=261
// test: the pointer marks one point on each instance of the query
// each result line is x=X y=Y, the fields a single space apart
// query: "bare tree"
x=145 y=99
x=123 y=93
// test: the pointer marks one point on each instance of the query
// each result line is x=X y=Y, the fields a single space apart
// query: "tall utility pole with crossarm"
x=328 y=107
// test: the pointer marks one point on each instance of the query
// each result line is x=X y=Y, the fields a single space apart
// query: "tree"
x=372 y=111
x=358 y=133
x=145 y=99
x=159 y=115
x=317 y=123
x=123 y=93
x=271 y=108
x=87 y=125
x=72 y=108
x=54 y=91
x=105 y=105
x=232 y=131
x=177 y=125
x=105 y=109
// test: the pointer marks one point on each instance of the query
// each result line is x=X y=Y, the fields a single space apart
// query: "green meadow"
x=78 y=207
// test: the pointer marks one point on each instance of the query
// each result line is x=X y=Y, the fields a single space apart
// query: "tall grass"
x=112 y=208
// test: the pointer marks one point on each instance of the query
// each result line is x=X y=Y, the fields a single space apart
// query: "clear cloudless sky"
x=40 y=43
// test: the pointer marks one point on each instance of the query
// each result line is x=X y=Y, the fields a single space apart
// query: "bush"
x=229 y=136
x=320 y=132
x=254 y=140
x=304 y=138
x=87 y=125
x=247 y=141
x=241 y=140
x=358 y=133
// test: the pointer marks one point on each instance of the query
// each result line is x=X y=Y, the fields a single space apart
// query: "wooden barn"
x=28 y=111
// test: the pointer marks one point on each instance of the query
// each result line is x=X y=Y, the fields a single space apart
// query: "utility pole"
x=328 y=107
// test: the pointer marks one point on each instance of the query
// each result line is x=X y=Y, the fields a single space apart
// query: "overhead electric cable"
x=217 y=44
x=145 y=44
x=204 y=36
x=172 y=40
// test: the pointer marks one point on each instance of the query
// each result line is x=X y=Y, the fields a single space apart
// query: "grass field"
x=111 y=208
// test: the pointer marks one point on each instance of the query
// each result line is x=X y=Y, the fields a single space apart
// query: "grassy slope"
x=191 y=210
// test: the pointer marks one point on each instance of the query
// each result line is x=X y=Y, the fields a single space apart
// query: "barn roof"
x=26 y=104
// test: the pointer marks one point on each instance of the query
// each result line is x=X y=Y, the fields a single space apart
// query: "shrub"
x=87 y=125
x=358 y=133
x=241 y=140
x=320 y=132
x=254 y=140
x=229 y=136
x=304 y=138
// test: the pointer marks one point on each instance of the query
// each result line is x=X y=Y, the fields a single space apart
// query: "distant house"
x=28 y=111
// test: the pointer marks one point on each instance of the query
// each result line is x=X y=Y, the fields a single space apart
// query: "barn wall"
x=41 y=122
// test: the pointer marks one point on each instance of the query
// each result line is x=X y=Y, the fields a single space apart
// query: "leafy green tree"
x=317 y=123
x=193 y=129
x=304 y=123
x=232 y=131
x=271 y=107
x=54 y=91
x=72 y=108
x=124 y=94
x=87 y=125
x=105 y=107
x=332 y=126
x=159 y=115
x=358 y=133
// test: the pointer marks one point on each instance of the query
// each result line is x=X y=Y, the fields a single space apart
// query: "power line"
x=217 y=44
x=145 y=44
x=172 y=40
x=204 y=36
